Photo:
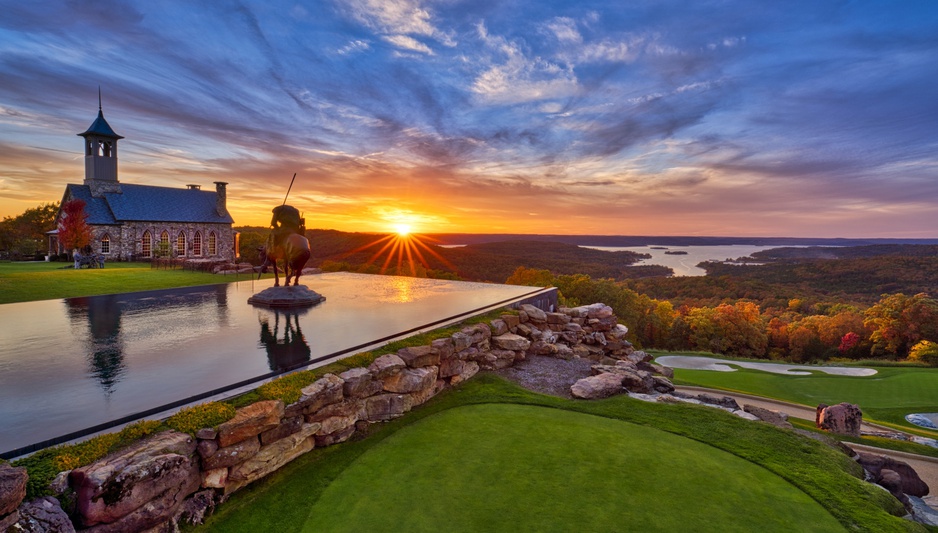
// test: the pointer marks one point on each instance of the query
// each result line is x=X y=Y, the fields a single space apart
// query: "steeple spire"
x=101 y=154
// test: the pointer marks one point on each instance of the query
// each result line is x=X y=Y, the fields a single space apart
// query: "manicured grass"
x=504 y=467
x=282 y=502
x=23 y=282
x=886 y=397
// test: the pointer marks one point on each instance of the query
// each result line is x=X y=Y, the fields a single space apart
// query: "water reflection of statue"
x=105 y=345
x=290 y=350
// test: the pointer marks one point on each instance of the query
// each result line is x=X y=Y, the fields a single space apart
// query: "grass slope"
x=281 y=502
x=23 y=282
x=503 y=467
x=886 y=397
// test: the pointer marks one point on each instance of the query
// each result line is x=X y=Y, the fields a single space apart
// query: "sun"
x=402 y=230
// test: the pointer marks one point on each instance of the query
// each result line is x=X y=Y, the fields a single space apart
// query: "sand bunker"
x=722 y=365
x=925 y=420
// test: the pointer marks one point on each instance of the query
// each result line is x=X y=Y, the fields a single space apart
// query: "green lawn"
x=503 y=467
x=887 y=396
x=23 y=282
x=610 y=465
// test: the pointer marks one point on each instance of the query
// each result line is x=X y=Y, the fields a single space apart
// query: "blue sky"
x=814 y=119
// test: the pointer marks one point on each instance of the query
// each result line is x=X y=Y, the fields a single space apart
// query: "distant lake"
x=685 y=265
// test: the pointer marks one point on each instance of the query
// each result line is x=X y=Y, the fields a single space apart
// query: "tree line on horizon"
x=895 y=327
x=804 y=305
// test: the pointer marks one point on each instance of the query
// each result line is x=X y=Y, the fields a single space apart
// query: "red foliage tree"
x=74 y=231
x=848 y=342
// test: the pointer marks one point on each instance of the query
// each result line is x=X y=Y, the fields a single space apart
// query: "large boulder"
x=419 y=356
x=470 y=369
x=721 y=401
x=638 y=381
x=633 y=379
x=510 y=341
x=12 y=487
x=232 y=455
x=445 y=347
x=776 y=418
x=360 y=383
x=386 y=365
x=324 y=391
x=902 y=479
x=287 y=427
x=662 y=384
x=138 y=487
x=272 y=457
x=387 y=406
x=461 y=341
x=411 y=380
x=338 y=416
x=452 y=367
x=42 y=515
x=596 y=387
x=533 y=313
x=843 y=418
x=250 y=421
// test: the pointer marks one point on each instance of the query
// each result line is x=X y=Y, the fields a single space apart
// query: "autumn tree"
x=850 y=344
x=74 y=231
x=925 y=352
x=531 y=277
x=898 y=322
x=736 y=329
x=657 y=324
x=777 y=336
x=24 y=233
x=804 y=339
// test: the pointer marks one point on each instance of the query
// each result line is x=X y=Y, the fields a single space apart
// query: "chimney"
x=193 y=187
x=221 y=198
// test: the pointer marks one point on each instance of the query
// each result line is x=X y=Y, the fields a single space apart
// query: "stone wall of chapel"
x=126 y=239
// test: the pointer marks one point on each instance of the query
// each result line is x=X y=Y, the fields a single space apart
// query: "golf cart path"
x=925 y=466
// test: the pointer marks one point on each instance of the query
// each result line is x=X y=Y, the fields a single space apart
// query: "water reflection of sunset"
x=403 y=287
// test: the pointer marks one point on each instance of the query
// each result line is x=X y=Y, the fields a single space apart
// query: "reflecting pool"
x=67 y=365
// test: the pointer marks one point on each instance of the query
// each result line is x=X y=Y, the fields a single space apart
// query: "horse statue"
x=293 y=249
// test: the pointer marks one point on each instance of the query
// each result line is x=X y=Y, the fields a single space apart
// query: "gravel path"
x=548 y=375
x=723 y=365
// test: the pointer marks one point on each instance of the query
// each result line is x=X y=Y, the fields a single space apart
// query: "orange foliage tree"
x=74 y=232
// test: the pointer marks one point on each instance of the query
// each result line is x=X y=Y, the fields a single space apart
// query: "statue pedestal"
x=286 y=297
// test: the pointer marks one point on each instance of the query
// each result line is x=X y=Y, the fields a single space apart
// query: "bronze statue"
x=294 y=250
x=287 y=218
x=287 y=242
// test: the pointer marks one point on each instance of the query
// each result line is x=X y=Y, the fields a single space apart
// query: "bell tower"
x=101 y=155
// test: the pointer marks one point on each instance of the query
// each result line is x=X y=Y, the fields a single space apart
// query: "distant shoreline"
x=627 y=240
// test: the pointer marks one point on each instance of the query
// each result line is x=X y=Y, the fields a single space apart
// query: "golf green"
x=505 y=467
x=887 y=396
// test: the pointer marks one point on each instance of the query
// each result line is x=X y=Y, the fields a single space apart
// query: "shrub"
x=925 y=352
x=289 y=388
x=44 y=465
x=206 y=415
x=362 y=360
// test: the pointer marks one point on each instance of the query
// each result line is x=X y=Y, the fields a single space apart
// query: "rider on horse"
x=286 y=220
x=288 y=242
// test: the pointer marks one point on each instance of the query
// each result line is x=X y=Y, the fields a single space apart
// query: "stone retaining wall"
x=172 y=476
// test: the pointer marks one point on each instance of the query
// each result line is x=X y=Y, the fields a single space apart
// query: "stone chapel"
x=132 y=222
